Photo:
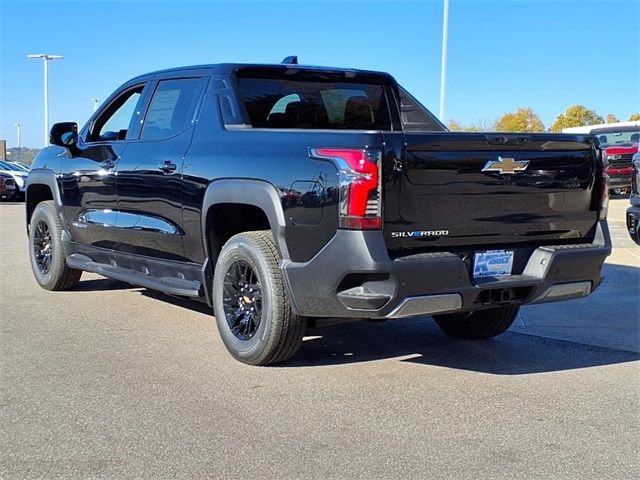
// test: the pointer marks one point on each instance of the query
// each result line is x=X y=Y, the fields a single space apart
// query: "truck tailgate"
x=466 y=189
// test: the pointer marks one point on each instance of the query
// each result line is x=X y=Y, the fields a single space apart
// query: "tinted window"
x=172 y=108
x=114 y=122
x=415 y=117
x=280 y=103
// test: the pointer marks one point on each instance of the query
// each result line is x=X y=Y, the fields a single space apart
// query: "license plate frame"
x=492 y=263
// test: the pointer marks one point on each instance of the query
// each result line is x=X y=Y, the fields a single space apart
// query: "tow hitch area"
x=503 y=295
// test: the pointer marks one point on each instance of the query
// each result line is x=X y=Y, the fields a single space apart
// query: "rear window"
x=283 y=103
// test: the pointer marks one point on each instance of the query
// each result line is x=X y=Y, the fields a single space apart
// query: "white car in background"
x=19 y=176
x=20 y=165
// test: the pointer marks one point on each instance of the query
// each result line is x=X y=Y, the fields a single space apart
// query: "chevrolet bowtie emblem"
x=505 y=165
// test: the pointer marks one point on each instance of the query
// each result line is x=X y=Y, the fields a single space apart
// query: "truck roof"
x=232 y=67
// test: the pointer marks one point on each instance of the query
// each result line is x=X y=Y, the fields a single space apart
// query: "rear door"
x=149 y=182
x=446 y=189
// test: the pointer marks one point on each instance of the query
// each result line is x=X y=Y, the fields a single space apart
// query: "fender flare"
x=257 y=193
x=44 y=176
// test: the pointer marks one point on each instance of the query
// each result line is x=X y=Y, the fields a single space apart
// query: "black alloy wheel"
x=252 y=309
x=242 y=301
x=46 y=250
x=42 y=247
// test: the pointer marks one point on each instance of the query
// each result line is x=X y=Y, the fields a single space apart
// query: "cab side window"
x=172 y=108
x=114 y=123
x=415 y=117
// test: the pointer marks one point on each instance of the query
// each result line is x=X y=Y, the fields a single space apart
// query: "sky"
x=502 y=54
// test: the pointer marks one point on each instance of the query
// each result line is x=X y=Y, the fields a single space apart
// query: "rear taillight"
x=359 y=185
x=604 y=199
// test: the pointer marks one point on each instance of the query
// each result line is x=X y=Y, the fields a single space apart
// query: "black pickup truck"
x=284 y=194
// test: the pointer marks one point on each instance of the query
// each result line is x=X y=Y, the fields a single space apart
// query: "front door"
x=149 y=181
x=89 y=178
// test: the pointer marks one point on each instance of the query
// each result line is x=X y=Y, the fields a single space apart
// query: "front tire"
x=46 y=253
x=479 y=325
x=252 y=311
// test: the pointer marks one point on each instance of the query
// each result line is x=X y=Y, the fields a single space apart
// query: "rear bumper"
x=633 y=223
x=353 y=276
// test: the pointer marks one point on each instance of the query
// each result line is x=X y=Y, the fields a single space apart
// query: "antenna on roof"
x=292 y=60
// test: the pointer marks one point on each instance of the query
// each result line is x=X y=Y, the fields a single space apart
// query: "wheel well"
x=35 y=194
x=224 y=220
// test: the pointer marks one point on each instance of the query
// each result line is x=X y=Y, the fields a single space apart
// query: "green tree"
x=455 y=126
x=611 y=118
x=634 y=117
x=522 y=120
x=24 y=155
x=476 y=127
x=480 y=126
x=576 y=116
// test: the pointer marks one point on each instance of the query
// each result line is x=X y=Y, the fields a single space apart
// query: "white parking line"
x=631 y=253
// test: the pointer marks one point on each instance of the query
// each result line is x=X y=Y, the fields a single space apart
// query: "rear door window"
x=172 y=108
x=283 y=103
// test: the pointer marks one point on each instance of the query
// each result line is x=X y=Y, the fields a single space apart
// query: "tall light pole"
x=46 y=57
x=96 y=102
x=443 y=69
x=18 y=125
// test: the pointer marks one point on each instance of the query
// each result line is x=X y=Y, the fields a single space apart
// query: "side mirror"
x=64 y=134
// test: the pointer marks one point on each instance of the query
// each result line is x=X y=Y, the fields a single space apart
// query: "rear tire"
x=479 y=325
x=252 y=311
x=46 y=253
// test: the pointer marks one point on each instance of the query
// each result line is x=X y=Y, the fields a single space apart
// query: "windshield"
x=20 y=166
x=615 y=138
x=8 y=166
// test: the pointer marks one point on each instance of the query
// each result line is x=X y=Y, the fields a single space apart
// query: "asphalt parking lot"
x=113 y=381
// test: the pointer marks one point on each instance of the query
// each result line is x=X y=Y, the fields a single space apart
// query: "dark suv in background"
x=8 y=188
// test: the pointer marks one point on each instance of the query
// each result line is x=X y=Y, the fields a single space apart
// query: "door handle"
x=107 y=165
x=167 y=166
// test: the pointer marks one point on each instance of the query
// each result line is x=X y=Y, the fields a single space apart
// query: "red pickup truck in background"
x=619 y=144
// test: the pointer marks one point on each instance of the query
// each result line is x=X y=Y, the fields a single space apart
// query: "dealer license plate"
x=492 y=263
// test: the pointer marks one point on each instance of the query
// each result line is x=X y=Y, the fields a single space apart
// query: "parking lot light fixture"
x=443 y=67
x=18 y=126
x=46 y=58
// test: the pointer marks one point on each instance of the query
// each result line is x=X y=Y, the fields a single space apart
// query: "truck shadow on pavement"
x=421 y=342
x=102 y=284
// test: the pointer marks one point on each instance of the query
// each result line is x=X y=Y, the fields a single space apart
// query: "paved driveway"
x=112 y=381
